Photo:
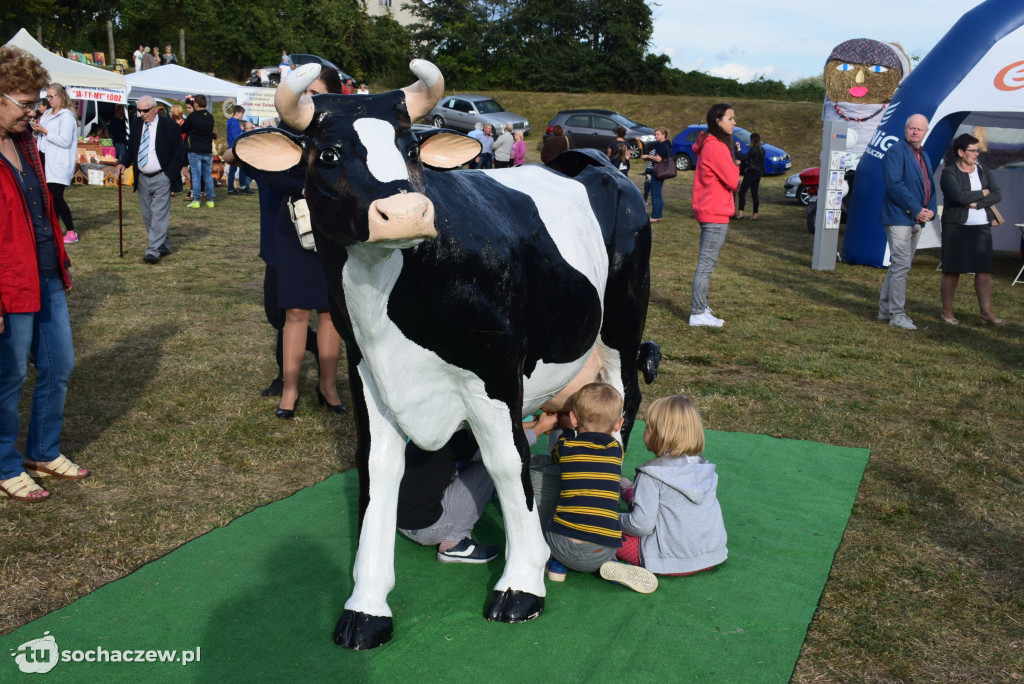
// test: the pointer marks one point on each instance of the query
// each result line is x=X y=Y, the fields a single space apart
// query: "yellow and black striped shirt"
x=588 y=508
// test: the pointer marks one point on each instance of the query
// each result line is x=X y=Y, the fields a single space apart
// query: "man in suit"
x=156 y=152
x=908 y=204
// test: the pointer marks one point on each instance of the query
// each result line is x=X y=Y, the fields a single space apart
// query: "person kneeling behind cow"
x=442 y=505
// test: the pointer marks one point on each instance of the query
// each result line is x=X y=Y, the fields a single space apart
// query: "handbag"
x=299 y=211
x=997 y=218
x=665 y=169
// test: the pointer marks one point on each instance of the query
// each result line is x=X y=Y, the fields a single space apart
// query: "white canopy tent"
x=83 y=82
x=176 y=81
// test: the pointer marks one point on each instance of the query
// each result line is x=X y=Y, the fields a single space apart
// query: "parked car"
x=803 y=186
x=264 y=77
x=271 y=76
x=776 y=160
x=463 y=112
x=299 y=60
x=595 y=128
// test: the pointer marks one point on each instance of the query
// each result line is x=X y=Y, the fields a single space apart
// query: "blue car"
x=776 y=160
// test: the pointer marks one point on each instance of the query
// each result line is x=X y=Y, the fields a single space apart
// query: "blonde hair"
x=664 y=131
x=177 y=112
x=676 y=427
x=598 y=406
x=62 y=95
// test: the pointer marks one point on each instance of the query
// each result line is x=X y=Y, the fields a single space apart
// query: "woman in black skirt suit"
x=302 y=287
x=969 y=191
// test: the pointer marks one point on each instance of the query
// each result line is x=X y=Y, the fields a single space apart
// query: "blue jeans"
x=243 y=179
x=657 y=204
x=201 y=168
x=46 y=336
x=712 y=237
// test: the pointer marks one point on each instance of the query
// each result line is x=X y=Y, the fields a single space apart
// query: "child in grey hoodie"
x=675 y=524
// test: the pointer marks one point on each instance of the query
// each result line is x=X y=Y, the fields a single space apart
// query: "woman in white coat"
x=57 y=133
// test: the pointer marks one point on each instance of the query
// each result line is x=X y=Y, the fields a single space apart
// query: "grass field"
x=164 y=407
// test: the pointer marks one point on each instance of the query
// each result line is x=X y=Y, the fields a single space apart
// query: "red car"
x=803 y=186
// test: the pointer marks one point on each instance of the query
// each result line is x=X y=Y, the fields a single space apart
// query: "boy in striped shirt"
x=585 y=532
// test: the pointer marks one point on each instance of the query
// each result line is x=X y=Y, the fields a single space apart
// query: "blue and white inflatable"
x=976 y=69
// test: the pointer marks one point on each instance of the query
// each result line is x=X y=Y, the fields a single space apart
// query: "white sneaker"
x=706 y=319
x=902 y=321
x=636 y=578
x=709 y=312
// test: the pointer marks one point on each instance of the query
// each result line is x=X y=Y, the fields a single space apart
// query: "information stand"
x=830 y=195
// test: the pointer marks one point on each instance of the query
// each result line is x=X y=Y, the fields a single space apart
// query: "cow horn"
x=296 y=109
x=422 y=95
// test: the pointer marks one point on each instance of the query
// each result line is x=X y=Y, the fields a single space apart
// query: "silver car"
x=462 y=112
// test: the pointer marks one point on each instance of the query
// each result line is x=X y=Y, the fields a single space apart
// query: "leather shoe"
x=287 y=413
x=336 y=408
x=151 y=259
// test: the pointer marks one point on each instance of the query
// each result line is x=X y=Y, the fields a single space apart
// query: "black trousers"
x=61 y=206
x=752 y=182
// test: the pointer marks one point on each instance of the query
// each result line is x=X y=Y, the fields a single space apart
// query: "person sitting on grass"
x=675 y=524
x=585 y=534
x=443 y=494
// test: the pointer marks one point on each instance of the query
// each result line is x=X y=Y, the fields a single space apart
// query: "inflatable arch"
x=975 y=74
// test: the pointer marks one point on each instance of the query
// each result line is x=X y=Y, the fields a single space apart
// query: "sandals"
x=22 y=487
x=60 y=468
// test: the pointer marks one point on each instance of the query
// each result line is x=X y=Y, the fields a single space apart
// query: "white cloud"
x=740 y=72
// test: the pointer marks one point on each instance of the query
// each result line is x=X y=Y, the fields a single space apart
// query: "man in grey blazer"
x=909 y=203
x=156 y=152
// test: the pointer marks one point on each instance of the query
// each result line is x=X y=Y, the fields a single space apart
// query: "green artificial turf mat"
x=260 y=597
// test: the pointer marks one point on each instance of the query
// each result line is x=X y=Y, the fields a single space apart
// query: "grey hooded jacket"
x=677 y=516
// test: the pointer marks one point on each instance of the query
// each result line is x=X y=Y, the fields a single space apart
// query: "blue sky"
x=791 y=39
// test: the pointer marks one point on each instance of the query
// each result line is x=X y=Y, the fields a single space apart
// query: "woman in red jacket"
x=33 y=281
x=715 y=180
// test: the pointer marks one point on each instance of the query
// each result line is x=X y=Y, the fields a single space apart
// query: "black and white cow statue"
x=466 y=299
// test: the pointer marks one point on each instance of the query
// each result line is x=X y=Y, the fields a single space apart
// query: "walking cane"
x=120 y=217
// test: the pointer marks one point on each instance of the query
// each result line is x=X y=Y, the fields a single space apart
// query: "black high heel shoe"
x=287 y=413
x=337 y=408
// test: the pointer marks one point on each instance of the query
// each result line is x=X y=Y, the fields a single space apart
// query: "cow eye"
x=412 y=153
x=330 y=155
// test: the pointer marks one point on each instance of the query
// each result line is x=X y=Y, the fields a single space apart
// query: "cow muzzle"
x=407 y=216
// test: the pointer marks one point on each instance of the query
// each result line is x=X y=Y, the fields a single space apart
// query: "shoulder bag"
x=665 y=169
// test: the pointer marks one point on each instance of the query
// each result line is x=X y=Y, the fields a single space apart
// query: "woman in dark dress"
x=753 y=169
x=302 y=287
x=969 y=192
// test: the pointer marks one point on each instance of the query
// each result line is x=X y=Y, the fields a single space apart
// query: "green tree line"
x=538 y=45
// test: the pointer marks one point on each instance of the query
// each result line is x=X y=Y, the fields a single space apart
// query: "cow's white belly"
x=428 y=397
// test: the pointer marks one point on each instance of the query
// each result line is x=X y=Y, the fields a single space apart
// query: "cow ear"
x=445 y=150
x=269 y=150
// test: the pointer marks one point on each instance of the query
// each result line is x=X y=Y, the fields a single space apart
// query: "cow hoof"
x=650 y=360
x=361 y=632
x=514 y=606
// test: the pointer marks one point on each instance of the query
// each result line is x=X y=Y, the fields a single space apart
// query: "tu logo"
x=37 y=656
